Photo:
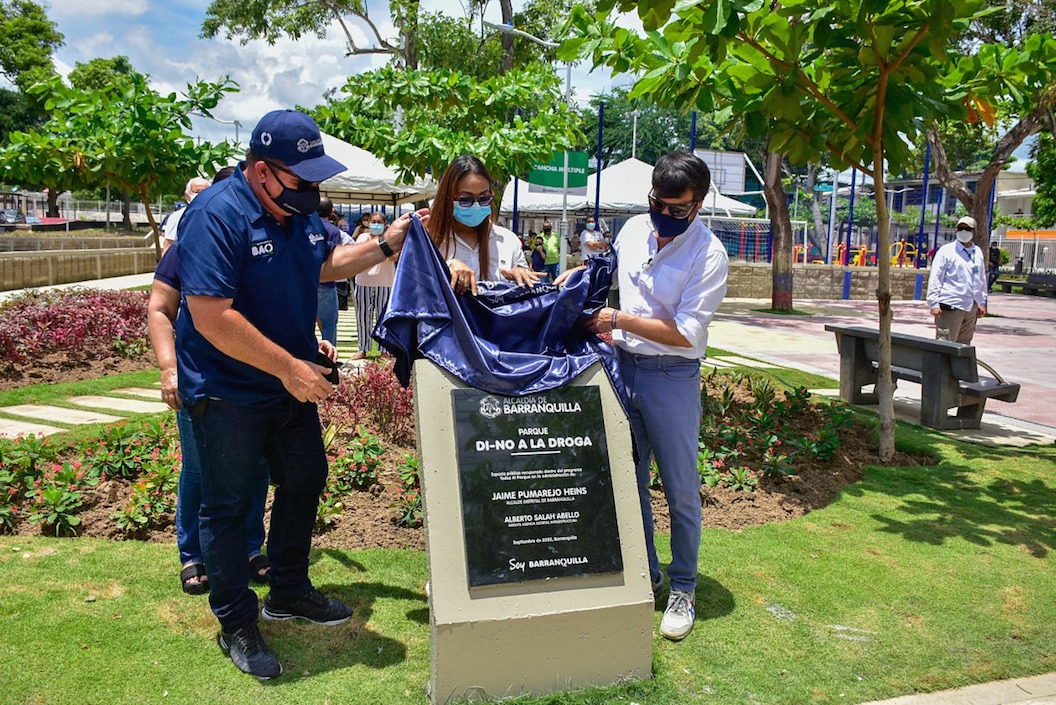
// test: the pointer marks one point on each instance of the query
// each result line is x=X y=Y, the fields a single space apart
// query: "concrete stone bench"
x=946 y=372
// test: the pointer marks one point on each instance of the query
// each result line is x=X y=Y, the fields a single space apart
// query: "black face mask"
x=303 y=201
x=546 y=230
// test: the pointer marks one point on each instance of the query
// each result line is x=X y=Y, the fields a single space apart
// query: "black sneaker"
x=658 y=588
x=248 y=651
x=313 y=606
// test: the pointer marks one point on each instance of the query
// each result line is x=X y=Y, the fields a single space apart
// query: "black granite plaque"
x=536 y=486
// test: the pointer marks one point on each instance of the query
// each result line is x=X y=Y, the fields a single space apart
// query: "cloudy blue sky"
x=161 y=39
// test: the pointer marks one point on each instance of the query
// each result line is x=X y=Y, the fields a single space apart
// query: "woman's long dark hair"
x=442 y=215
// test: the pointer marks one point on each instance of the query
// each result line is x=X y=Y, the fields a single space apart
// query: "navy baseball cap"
x=293 y=138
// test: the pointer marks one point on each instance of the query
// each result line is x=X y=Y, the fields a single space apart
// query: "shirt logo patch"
x=316 y=238
x=263 y=248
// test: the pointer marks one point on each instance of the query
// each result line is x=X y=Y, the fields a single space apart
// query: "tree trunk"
x=53 y=203
x=507 y=39
x=885 y=387
x=815 y=204
x=126 y=210
x=405 y=17
x=145 y=199
x=781 y=255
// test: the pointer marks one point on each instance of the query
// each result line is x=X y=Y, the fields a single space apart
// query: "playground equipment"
x=860 y=257
x=903 y=253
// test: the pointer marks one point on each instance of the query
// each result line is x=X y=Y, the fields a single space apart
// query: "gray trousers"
x=957 y=326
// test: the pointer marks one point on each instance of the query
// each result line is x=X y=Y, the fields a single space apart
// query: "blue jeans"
x=664 y=413
x=327 y=312
x=230 y=441
x=189 y=499
x=551 y=269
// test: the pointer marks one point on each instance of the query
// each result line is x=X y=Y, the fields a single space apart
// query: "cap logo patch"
x=265 y=139
x=304 y=145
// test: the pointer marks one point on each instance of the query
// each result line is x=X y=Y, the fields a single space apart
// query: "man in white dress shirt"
x=957 y=286
x=672 y=275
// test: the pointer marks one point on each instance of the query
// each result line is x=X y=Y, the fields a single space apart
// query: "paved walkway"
x=1019 y=341
x=1038 y=690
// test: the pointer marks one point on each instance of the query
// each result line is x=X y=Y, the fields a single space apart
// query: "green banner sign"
x=549 y=177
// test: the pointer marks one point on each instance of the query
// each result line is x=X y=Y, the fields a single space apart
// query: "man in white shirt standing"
x=957 y=286
x=672 y=275
x=172 y=221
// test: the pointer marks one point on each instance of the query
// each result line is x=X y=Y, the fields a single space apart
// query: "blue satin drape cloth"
x=509 y=339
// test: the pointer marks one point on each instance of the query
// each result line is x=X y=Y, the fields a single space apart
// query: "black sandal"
x=259 y=568
x=191 y=571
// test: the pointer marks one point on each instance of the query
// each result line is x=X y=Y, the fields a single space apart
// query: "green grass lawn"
x=916 y=578
x=783 y=377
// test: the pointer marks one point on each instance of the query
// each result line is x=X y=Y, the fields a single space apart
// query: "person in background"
x=162 y=310
x=993 y=266
x=462 y=228
x=957 y=286
x=373 y=288
x=172 y=221
x=327 y=296
x=362 y=226
x=539 y=257
x=672 y=271
x=592 y=240
x=552 y=240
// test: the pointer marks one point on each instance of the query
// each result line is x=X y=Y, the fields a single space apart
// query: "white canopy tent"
x=624 y=190
x=367 y=180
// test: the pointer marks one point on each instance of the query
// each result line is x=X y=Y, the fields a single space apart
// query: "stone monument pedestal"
x=538 y=604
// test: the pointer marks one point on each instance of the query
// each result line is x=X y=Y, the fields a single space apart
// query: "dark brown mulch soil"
x=369 y=521
x=60 y=367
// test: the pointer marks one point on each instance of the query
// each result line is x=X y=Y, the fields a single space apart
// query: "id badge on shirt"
x=975 y=269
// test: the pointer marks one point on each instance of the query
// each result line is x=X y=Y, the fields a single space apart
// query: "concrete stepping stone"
x=134 y=406
x=9 y=428
x=59 y=414
x=745 y=362
x=139 y=392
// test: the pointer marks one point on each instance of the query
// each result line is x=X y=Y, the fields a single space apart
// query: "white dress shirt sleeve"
x=702 y=297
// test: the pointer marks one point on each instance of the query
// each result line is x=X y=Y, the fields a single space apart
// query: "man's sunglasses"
x=965 y=229
x=677 y=210
x=483 y=199
x=302 y=185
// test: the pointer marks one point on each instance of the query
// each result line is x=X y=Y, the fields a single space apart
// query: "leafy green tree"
x=125 y=134
x=108 y=75
x=102 y=73
x=1042 y=169
x=270 y=19
x=1007 y=82
x=661 y=129
x=444 y=114
x=845 y=80
x=464 y=99
x=16 y=113
x=27 y=40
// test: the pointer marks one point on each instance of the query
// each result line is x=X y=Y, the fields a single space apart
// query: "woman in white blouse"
x=460 y=224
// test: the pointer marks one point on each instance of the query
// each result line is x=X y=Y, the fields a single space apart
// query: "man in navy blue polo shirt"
x=252 y=252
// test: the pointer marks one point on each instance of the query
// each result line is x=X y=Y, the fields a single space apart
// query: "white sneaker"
x=679 y=616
